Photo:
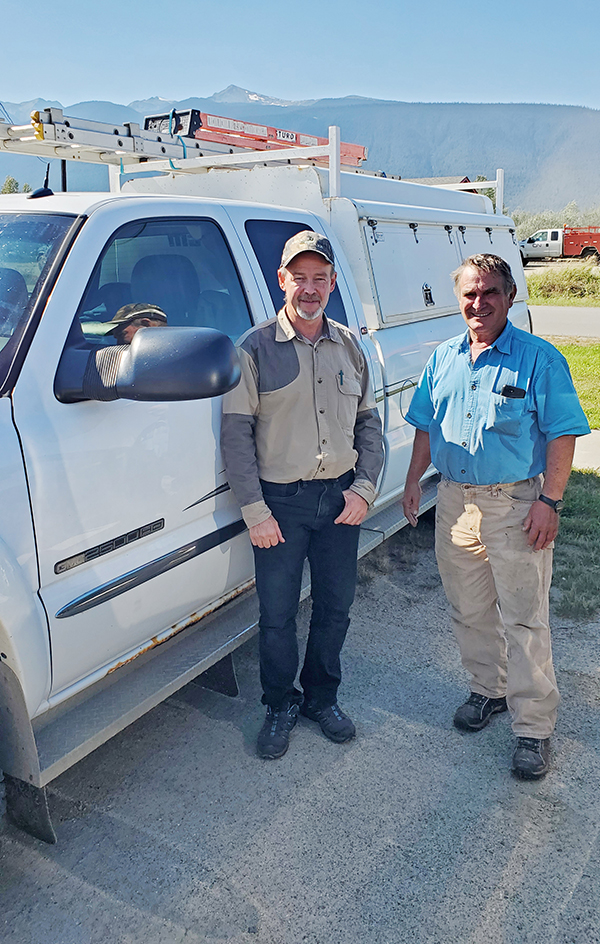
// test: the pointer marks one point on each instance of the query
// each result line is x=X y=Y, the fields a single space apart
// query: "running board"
x=70 y=732
x=66 y=736
x=391 y=518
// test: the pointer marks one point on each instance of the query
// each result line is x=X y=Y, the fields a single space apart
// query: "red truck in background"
x=582 y=242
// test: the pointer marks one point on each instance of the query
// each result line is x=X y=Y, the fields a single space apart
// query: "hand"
x=266 y=534
x=542 y=525
x=411 y=501
x=355 y=508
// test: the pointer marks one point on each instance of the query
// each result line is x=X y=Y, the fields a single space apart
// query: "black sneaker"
x=477 y=711
x=334 y=723
x=274 y=737
x=531 y=758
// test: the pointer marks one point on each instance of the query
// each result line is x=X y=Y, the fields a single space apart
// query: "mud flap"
x=27 y=808
x=220 y=677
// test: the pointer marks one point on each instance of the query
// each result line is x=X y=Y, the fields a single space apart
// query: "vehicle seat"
x=113 y=295
x=171 y=283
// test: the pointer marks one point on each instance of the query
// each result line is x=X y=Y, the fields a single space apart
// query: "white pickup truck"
x=125 y=568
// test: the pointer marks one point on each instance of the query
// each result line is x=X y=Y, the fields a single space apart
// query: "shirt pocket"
x=349 y=394
x=505 y=415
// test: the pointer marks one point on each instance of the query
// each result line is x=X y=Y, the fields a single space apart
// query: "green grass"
x=563 y=301
x=576 y=583
x=574 y=283
x=584 y=363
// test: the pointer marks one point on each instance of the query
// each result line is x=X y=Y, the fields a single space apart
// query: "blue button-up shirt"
x=477 y=434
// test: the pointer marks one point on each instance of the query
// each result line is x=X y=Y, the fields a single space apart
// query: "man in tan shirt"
x=302 y=444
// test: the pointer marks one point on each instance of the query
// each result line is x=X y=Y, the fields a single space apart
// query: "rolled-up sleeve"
x=421 y=410
x=559 y=412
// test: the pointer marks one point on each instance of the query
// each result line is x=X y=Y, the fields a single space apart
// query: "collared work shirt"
x=479 y=435
x=301 y=411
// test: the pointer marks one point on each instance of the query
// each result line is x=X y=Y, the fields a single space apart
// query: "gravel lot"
x=176 y=832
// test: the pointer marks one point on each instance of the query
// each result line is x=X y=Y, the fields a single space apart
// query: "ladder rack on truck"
x=196 y=140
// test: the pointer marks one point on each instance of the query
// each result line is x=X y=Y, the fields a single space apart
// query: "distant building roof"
x=432 y=181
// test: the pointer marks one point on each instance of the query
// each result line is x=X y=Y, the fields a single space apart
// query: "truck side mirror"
x=160 y=364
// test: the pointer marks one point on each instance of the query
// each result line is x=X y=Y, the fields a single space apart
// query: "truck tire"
x=591 y=254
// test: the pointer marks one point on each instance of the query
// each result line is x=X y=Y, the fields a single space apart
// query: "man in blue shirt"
x=496 y=412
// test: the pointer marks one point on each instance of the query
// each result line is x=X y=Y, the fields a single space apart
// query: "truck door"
x=138 y=532
x=538 y=245
x=554 y=244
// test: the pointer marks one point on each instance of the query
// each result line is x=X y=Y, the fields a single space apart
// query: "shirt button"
x=463 y=444
x=321 y=411
x=473 y=386
x=320 y=380
x=323 y=442
x=462 y=471
x=469 y=416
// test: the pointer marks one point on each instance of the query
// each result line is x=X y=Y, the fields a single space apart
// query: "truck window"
x=28 y=244
x=540 y=237
x=268 y=238
x=554 y=235
x=182 y=266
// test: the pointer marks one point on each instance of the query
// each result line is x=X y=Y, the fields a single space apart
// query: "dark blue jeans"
x=305 y=512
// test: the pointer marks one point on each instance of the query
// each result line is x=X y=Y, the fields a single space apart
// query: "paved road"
x=587 y=451
x=176 y=833
x=572 y=321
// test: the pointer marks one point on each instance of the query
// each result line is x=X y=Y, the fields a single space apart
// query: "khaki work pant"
x=498 y=591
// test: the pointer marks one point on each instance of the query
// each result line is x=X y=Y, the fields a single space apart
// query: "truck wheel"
x=591 y=255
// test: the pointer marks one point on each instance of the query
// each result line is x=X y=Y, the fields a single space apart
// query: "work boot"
x=335 y=725
x=274 y=737
x=477 y=711
x=531 y=758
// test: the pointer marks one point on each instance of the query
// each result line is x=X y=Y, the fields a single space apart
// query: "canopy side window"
x=267 y=238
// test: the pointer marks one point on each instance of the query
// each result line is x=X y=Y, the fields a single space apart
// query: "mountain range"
x=549 y=152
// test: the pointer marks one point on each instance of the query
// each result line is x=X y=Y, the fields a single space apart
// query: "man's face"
x=484 y=303
x=307 y=282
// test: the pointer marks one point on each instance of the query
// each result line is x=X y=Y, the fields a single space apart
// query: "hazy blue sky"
x=436 y=50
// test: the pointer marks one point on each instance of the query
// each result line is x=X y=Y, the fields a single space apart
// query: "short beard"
x=310 y=317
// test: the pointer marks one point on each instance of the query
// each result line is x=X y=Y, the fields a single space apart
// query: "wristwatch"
x=557 y=504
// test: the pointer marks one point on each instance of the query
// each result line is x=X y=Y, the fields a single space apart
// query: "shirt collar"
x=502 y=342
x=286 y=332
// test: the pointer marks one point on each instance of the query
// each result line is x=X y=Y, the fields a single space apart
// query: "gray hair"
x=486 y=262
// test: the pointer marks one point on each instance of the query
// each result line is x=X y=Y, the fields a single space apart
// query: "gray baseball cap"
x=307 y=241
